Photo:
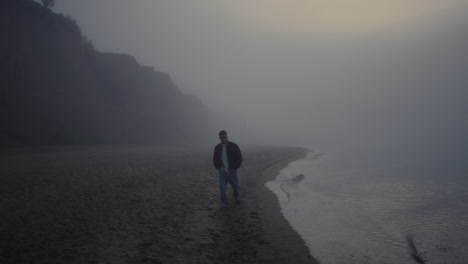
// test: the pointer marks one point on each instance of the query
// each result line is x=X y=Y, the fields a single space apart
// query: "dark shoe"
x=238 y=202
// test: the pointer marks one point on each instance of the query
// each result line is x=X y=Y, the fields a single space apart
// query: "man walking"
x=227 y=159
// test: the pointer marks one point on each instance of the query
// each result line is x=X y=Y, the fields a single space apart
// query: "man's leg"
x=235 y=184
x=223 y=186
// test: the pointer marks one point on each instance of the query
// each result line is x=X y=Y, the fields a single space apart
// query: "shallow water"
x=363 y=208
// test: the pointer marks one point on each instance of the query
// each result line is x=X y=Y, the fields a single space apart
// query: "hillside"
x=56 y=88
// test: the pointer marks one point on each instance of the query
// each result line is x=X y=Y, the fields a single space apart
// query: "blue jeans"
x=224 y=178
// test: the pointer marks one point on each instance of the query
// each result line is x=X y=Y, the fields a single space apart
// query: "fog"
x=320 y=74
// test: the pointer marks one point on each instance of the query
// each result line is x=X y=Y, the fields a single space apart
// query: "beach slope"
x=141 y=204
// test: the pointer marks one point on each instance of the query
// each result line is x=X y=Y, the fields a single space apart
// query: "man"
x=227 y=159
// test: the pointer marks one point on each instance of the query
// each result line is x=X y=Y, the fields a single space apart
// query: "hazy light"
x=332 y=16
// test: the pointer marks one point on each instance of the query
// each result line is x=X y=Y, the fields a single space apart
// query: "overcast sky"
x=311 y=72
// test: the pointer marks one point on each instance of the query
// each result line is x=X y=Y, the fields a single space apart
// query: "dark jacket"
x=233 y=153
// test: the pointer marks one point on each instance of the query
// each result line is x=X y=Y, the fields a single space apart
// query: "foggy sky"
x=315 y=73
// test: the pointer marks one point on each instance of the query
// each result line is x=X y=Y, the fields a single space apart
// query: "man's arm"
x=216 y=159
x=239 y=156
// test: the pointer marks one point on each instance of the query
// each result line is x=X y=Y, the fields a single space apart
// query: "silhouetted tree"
x=48 y=3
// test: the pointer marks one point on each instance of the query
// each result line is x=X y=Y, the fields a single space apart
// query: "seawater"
x=372 y=208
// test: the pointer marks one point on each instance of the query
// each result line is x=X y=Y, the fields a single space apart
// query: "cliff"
x=56 y=88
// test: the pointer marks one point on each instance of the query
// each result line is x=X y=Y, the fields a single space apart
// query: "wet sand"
x=141 y=204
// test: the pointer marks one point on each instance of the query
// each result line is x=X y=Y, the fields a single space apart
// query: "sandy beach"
x=141 y=204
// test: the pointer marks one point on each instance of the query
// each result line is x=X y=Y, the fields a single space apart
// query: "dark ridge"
x=56 y=88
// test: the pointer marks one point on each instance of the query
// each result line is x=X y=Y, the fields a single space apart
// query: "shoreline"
x=278 y=227
x=141 y=204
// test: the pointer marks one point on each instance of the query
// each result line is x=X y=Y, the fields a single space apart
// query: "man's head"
x=223 y=136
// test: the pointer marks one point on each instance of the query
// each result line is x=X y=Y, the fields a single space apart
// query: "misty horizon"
x=327 y=85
